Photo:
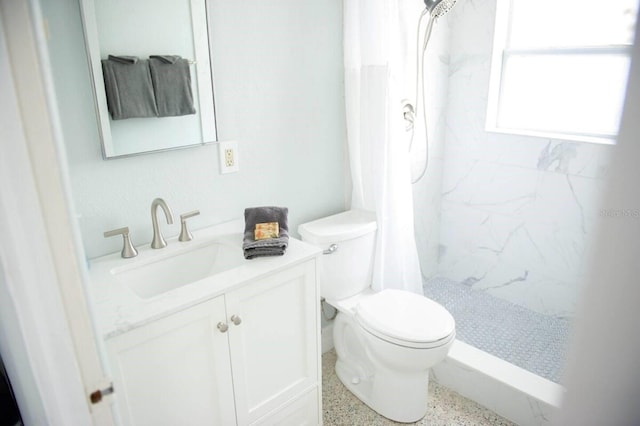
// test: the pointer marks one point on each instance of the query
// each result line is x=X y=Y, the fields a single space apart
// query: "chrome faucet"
x=158 y=241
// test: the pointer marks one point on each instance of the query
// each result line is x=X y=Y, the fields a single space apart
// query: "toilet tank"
x=347 y=270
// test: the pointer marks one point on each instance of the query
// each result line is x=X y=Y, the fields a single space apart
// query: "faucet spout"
x=158 y=241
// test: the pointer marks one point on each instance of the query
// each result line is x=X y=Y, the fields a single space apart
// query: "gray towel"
x=124 y=59
x=128 y=86
x=172 y=85
x=167 y=59
x=271 y=246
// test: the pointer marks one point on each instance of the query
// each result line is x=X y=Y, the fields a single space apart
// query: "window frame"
x=500 y=54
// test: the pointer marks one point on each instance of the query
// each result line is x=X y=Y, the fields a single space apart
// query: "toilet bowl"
x=386 y=341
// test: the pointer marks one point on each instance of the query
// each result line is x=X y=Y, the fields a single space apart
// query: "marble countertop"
x=117 y=308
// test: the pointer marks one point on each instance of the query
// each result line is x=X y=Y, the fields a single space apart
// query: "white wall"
x=278 y=79
x=517 y=213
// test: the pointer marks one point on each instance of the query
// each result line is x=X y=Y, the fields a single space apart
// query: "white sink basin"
x=179 y=269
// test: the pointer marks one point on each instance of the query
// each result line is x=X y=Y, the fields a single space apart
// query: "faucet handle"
x=128 y=250
x=185 y=235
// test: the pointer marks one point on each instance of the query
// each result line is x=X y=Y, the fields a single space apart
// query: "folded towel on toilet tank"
x=270 y=246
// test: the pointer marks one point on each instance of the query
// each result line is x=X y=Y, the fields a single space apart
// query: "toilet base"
x=390 y=378
x=389 y=388
x=398 y=397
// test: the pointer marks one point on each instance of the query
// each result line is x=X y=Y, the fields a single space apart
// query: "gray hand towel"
x=128 y=86
x=167 y=59
x=172 y=85
x=124 y=59
x=263 y=252
x=270 y=246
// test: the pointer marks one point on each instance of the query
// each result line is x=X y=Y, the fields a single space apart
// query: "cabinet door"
x=274 y=348
x=175 y=371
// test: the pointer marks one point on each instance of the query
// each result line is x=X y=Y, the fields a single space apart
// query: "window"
x=560 y=68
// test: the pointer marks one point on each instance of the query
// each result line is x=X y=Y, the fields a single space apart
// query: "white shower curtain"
x=379 y=42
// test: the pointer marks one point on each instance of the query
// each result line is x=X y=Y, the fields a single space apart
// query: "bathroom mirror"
x=143 y=28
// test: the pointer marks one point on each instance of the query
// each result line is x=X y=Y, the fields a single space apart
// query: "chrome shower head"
x=438 y=8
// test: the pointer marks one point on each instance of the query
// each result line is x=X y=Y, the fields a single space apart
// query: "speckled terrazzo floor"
x=446 y=408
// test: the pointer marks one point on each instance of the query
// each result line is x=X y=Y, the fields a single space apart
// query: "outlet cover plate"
x=228 y=156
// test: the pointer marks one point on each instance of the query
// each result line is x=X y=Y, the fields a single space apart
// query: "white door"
x=48 y=323
x=274 y=346
x=175 y=370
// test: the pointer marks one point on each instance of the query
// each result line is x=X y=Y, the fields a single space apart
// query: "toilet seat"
x=405 y=319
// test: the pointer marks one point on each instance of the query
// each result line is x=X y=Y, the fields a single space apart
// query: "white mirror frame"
x=203 y=81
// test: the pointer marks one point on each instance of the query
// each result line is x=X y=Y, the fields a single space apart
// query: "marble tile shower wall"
x=517 y=213
x=427 y=193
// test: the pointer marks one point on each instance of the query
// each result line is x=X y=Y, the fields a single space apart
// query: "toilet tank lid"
x=339 y=227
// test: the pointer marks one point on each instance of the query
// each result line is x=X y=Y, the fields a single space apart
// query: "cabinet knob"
x=223 y=327
x=236 y=319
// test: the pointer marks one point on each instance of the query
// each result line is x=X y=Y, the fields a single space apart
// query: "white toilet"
x=386 y=342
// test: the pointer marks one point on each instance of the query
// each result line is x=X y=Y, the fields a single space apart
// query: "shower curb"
x=508 y=390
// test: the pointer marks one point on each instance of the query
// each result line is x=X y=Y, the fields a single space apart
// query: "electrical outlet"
x=228 y=152
x=229 y=159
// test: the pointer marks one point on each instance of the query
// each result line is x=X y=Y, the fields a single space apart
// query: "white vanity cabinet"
x=247 y=356
x=175 y=370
